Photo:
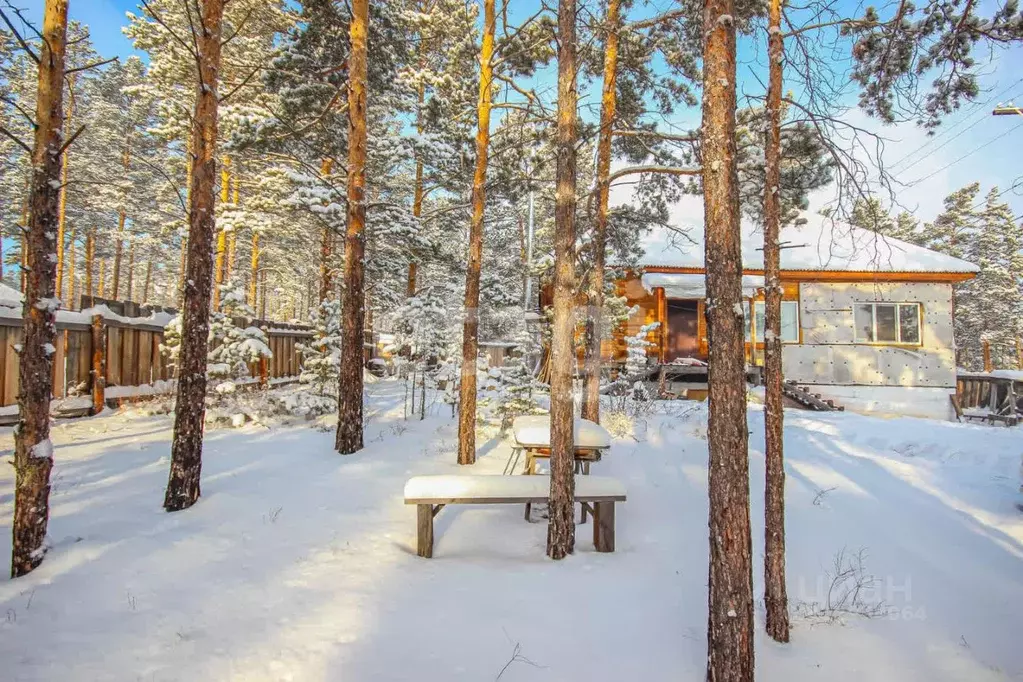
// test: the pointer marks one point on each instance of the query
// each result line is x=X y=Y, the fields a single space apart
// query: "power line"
x=965 y=118
x=983 y=116
x=967 y=154
x=1016 y=184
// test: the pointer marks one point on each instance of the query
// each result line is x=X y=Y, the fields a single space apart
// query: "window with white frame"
x=888 y=322
x=789 y=321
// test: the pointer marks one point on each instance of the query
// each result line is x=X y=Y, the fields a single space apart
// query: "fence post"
x=264 y=380
x=987 y=355
x=99 y=362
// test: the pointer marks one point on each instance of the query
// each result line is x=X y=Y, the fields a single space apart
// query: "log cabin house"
x=866 y=319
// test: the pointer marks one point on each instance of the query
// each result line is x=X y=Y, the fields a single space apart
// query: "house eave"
x=835 y=275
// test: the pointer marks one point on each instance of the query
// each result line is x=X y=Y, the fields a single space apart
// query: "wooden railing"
x=996 y=396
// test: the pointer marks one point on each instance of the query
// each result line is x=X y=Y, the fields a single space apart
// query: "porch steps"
x=812 y=401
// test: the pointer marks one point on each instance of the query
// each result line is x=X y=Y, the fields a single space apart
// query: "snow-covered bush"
x=520 y=390
x=630 y=383
x=232 y=347
x=424 y=336
x=321 y=356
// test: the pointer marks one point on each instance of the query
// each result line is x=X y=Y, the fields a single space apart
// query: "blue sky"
x=974 y=145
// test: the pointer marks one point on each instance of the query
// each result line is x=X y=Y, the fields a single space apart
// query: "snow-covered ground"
x=299 y=564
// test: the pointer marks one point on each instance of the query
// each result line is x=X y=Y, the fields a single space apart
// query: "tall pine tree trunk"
x=595 y=295
x=72 y=256
x=102 y=278
x=232 y=238
x=218 y=269
x=122 y=215
x=130 y=289
x=33 y=451
x=145 y=284
x=26 y=204
x=189 y=410
x=182 y=268
x=353 y=313
x=189 y=167
x=326 y=239
x=262 y=295
x=254 y=269
x=90 y=261
x=775 y=595
x=730 y=584
x=62 y=202
x=471 y=323
x=115 y=283
x=418 y=193
x=561 y=524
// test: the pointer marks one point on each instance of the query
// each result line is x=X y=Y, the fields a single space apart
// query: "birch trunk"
x=561 y=523
x=595 y=295
x=189 y=411
x=349 y=408
x=775 y=594
x=471 y=323
x=33 y=452
x=730 y=583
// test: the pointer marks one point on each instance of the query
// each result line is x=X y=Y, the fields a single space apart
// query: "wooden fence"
x=130 y=356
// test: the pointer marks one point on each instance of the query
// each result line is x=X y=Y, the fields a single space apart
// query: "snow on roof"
x=821 y=244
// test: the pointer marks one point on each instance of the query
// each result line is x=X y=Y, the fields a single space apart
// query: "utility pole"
x=1009 y=110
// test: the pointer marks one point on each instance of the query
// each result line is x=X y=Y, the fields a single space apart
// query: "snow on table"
x=535 y=431
x=493 y=489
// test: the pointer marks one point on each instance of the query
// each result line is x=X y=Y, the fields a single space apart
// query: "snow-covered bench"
x=432 y=493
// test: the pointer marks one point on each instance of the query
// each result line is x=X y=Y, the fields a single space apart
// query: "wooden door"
x=683 y=335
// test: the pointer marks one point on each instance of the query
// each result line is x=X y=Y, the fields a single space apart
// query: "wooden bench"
x=597 y=494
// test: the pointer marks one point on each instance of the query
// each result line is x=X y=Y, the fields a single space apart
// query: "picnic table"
x=532 y=434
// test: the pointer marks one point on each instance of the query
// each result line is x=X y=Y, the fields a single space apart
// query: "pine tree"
x=186 y=449
x=561 y=525
x=33 y=450
x=775 y=593
x=321 y=356
x=349 y=416
x=870 y=214
x=730 y=583
x=470 y=328
x=234 y=346
x=990 y=307
x=895 y=55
